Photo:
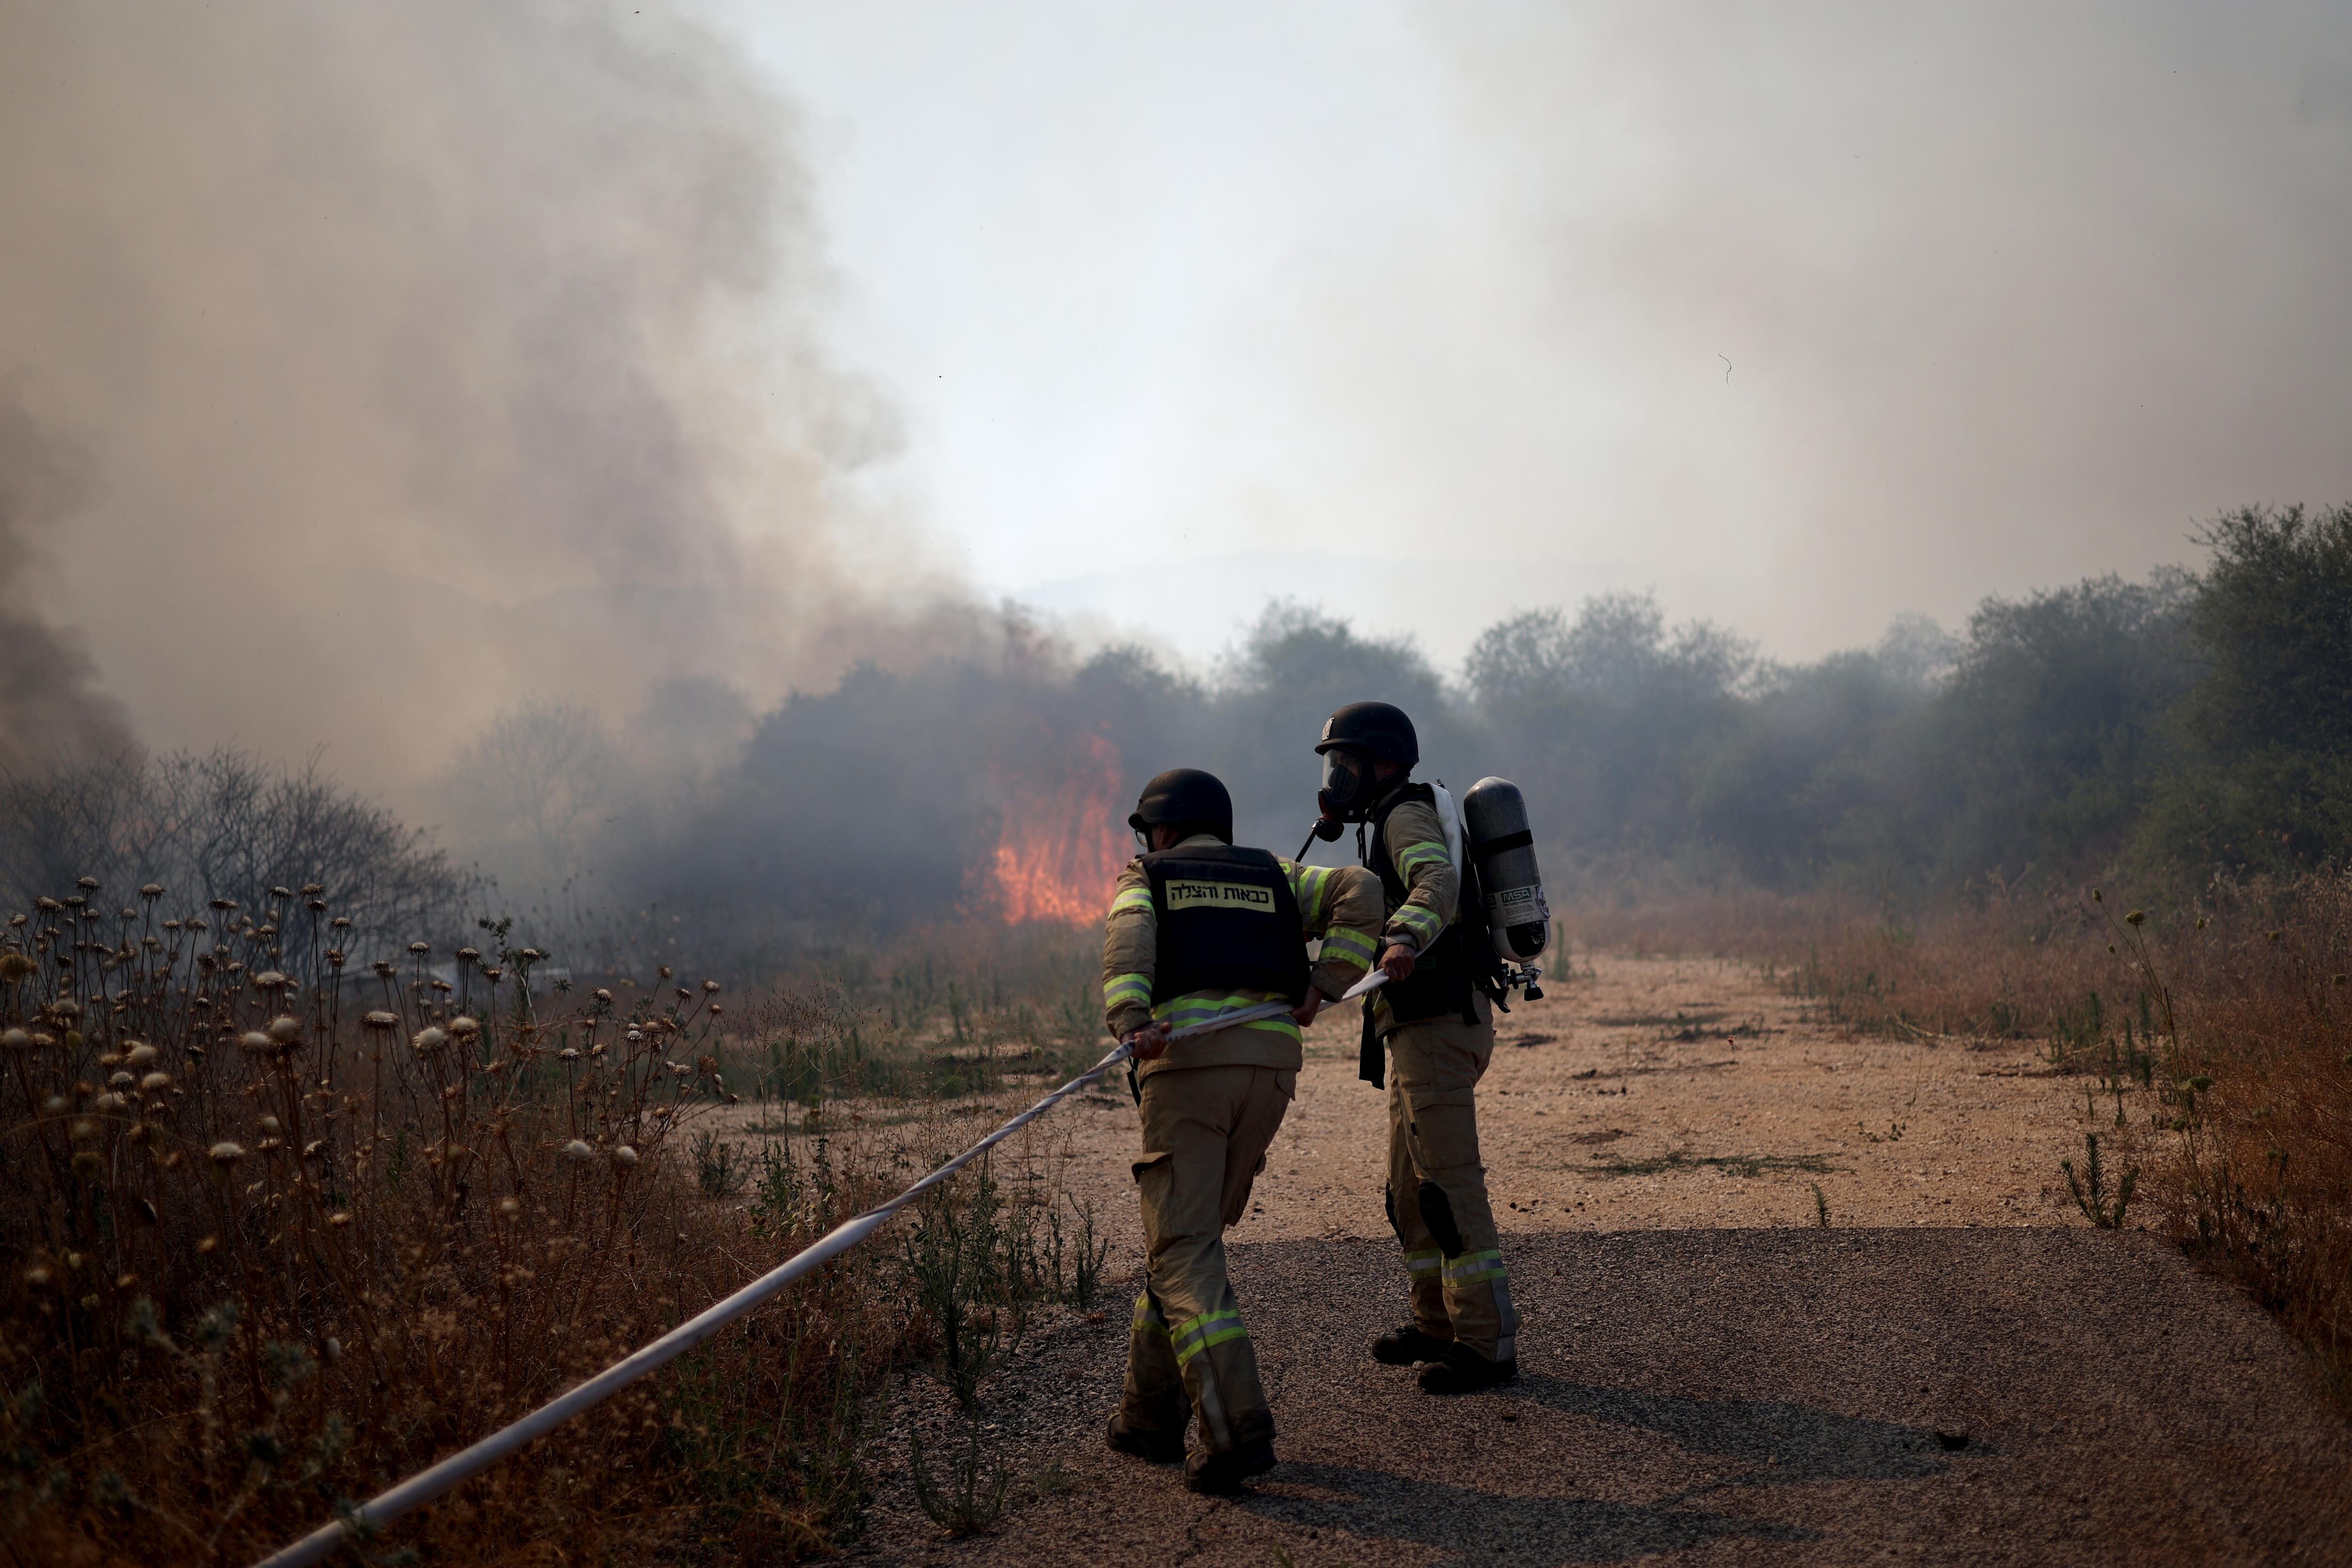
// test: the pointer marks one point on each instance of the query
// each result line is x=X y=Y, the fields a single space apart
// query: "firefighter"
x=1197 y=928
x=1436 y=1017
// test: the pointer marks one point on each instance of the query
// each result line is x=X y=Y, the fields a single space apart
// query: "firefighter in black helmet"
x=1198 y=928
x=1435 y=1017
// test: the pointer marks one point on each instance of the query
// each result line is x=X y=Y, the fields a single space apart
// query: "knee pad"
x=1437 y=1214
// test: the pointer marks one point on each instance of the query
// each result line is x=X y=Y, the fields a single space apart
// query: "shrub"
x=275 y=1245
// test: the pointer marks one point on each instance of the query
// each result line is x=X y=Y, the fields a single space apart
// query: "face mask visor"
x=1347 y=789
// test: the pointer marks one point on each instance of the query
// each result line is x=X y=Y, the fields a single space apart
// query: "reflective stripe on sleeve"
x=1196 y=1334
x=1122 y=990
x=1421 y=924
x=1133 y=899
x=1416 y=856
x=1348 y=946
x=1311 y=886
x=1473 y=1267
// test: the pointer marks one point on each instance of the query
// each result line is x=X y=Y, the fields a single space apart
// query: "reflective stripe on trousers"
x=1197 y=1334
x=1471 y=1268
x=1205 y=1133
x=1437 y=1184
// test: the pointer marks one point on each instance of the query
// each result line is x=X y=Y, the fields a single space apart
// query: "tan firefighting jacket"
x=1417 y=845
x=1340 y=904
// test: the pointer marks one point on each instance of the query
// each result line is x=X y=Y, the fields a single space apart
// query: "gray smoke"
x=426 y=357
x=50 y=709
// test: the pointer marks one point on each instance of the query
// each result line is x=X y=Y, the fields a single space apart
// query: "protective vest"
x=1226 y=921
x=1458 y=961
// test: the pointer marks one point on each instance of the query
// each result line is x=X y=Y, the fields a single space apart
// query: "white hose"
x=426 y=1485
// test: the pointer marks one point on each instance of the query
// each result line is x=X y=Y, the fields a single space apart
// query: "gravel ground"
x=1722 y=1396
x=1958 y=1370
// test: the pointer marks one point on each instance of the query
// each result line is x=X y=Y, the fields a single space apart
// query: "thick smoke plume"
x=50 y=709
x=420 y=358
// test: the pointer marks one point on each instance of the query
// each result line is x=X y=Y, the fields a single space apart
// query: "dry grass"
x=2260 y=1173
x=2226 y=1022
x=283 y=1229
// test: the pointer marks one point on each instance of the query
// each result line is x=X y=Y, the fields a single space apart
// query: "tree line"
x=2171 y=729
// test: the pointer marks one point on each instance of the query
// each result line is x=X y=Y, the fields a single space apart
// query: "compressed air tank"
x=1495 y=818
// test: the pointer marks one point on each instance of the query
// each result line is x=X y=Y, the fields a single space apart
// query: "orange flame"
x=1062 y=843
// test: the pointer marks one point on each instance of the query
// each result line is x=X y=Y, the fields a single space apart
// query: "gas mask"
x=1348 y=791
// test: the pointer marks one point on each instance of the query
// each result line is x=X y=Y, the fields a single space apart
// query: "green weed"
x=974 y=1496
x=2090 y=1189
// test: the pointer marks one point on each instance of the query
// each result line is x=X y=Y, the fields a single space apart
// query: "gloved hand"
x=1397 y=962
x=1149 y=1042
x=1304 y=1014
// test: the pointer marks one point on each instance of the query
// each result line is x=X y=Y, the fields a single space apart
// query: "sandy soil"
x=1957 y=1369
x=1703 y=1065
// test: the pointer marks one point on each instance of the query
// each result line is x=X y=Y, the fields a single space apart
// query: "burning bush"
x=1062 y=841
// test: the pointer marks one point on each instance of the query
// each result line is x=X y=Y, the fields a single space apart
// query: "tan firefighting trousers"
x=1205 y=1132
x=1437 y=1187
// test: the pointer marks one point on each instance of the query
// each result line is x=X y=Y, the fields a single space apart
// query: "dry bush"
x=221 y=824
x=1761 y=926
x=282 y=1231
x=948 y=1009
x=2234 y=1010
x=2001 y=965
x=2260 y=1175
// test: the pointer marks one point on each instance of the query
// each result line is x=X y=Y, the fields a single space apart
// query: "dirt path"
x=1657 y=1092
x=1956 y=1370
x=1708 y=1396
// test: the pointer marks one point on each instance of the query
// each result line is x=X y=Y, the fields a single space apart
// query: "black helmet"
x=1353 y=739
x=1378 y=729
x=1185 y=797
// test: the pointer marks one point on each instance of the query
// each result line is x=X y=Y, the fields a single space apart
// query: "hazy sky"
x=366 y=369
x=1799 y=314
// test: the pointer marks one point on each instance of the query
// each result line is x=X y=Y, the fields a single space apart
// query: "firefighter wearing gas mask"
x=1435 y=1017
x=1198 y=928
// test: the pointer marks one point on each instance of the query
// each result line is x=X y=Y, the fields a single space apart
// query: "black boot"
x=1143 y=1443
x=1404 y=1346
x=1465 y=1371
x=1221 y=1474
